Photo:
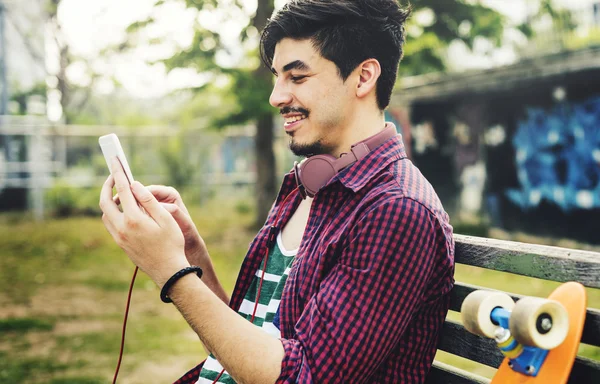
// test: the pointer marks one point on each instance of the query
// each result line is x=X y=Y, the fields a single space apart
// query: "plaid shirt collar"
x=358 y=174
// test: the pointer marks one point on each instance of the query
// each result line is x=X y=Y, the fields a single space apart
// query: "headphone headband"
x=314 y=173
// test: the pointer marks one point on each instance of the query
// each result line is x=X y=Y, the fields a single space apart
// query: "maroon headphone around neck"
x=314 y=172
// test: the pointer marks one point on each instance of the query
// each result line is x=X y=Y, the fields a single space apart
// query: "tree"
x=250 y=82
x=72 y=97
x=29 y=79
x=34 y=29
x=437 y=23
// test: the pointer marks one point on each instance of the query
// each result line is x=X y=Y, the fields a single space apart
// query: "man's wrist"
x=168 y=272
x=164 y=292
x=184 y=285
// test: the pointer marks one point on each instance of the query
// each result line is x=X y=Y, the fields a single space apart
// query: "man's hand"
x=150 y=236
x=195 y=248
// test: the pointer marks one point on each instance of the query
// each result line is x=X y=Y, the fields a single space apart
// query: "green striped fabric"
x=277 y=271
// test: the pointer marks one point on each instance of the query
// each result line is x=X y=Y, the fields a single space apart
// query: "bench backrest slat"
x=585 y=371
x=591 y=330
x=544 y=262
x=447 y=374
x=460 y=342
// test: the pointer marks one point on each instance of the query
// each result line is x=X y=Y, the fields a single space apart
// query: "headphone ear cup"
x=315 y=172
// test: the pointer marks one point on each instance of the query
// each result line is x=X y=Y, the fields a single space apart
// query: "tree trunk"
x=265 y=168
x=263 y=142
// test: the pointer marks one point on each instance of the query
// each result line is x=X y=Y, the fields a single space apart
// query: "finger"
x=107 y=205
x=112 y=230
x=116 y=199
x=149 y=203
x=182 y=219
x=164 y=193
x=167 y=195
x=128 y=202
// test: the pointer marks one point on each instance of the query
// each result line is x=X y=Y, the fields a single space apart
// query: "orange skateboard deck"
x=559 y=362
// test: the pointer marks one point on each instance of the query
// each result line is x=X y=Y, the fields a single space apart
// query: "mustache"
x=286 y=110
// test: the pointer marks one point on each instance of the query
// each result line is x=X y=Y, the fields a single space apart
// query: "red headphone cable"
x=125 y=325
x=272 y=234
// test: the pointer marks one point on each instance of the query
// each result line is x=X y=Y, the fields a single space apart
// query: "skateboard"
x=538 y=337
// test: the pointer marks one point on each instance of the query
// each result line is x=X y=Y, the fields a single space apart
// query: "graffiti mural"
x=558 y=156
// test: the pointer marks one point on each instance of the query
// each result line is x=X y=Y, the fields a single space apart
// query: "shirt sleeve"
x=366 y=302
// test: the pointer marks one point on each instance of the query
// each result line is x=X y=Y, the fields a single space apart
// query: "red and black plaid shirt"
x=368 y=292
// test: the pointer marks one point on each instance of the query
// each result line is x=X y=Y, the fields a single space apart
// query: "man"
x=348 y=282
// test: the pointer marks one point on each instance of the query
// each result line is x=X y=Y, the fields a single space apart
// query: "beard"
x=309 y=149
x=318 y=147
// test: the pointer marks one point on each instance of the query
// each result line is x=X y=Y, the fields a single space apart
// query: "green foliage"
x=562 y=19
x=21 y=97
x=52 y=7
x=423 y=55
x=180 y=170
x=201 y=53
x=139 y=25
x=448 y=21
x=243 y=207
x=251 y=94
x=244 y=94
x=428 y=37
x=63 y=200
x=449 y=15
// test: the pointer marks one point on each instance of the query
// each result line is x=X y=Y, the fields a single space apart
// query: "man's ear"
x=368 y=74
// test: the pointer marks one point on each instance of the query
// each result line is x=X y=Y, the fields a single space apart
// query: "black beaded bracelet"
x=165 y=289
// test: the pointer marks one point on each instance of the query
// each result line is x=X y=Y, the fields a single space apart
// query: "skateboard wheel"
x=539 y=322
x=477 y=308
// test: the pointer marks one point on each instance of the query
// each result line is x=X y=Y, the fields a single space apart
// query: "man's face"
x=311 y=96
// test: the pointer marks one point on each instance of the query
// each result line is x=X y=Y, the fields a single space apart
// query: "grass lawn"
x=63 y=292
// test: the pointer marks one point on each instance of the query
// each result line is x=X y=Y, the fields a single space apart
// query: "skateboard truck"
x=522 y=358
x=539 y=337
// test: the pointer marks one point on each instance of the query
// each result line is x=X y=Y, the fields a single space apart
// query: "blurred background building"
x=518 y=144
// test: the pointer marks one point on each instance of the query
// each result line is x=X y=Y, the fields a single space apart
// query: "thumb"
x=183 y=220
x=148 y=201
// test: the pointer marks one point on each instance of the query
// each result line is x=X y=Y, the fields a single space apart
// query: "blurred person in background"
x=348 y=281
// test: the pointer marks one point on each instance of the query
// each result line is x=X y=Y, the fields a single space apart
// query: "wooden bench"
x=544 y=262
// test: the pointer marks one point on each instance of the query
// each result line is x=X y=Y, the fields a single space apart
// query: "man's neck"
x=358 y=129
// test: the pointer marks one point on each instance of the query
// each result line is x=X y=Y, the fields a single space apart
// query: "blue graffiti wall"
x=558 y=156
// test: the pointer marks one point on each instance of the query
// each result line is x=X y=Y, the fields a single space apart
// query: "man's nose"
x=280 y=96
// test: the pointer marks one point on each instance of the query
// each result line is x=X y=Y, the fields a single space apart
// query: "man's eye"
x=296 y=79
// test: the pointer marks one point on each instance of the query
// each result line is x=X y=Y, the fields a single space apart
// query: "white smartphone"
x=111 y=147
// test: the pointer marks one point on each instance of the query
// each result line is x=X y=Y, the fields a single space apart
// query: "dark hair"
x=346 y=32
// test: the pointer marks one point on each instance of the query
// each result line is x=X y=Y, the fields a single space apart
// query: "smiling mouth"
x=294 y=119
